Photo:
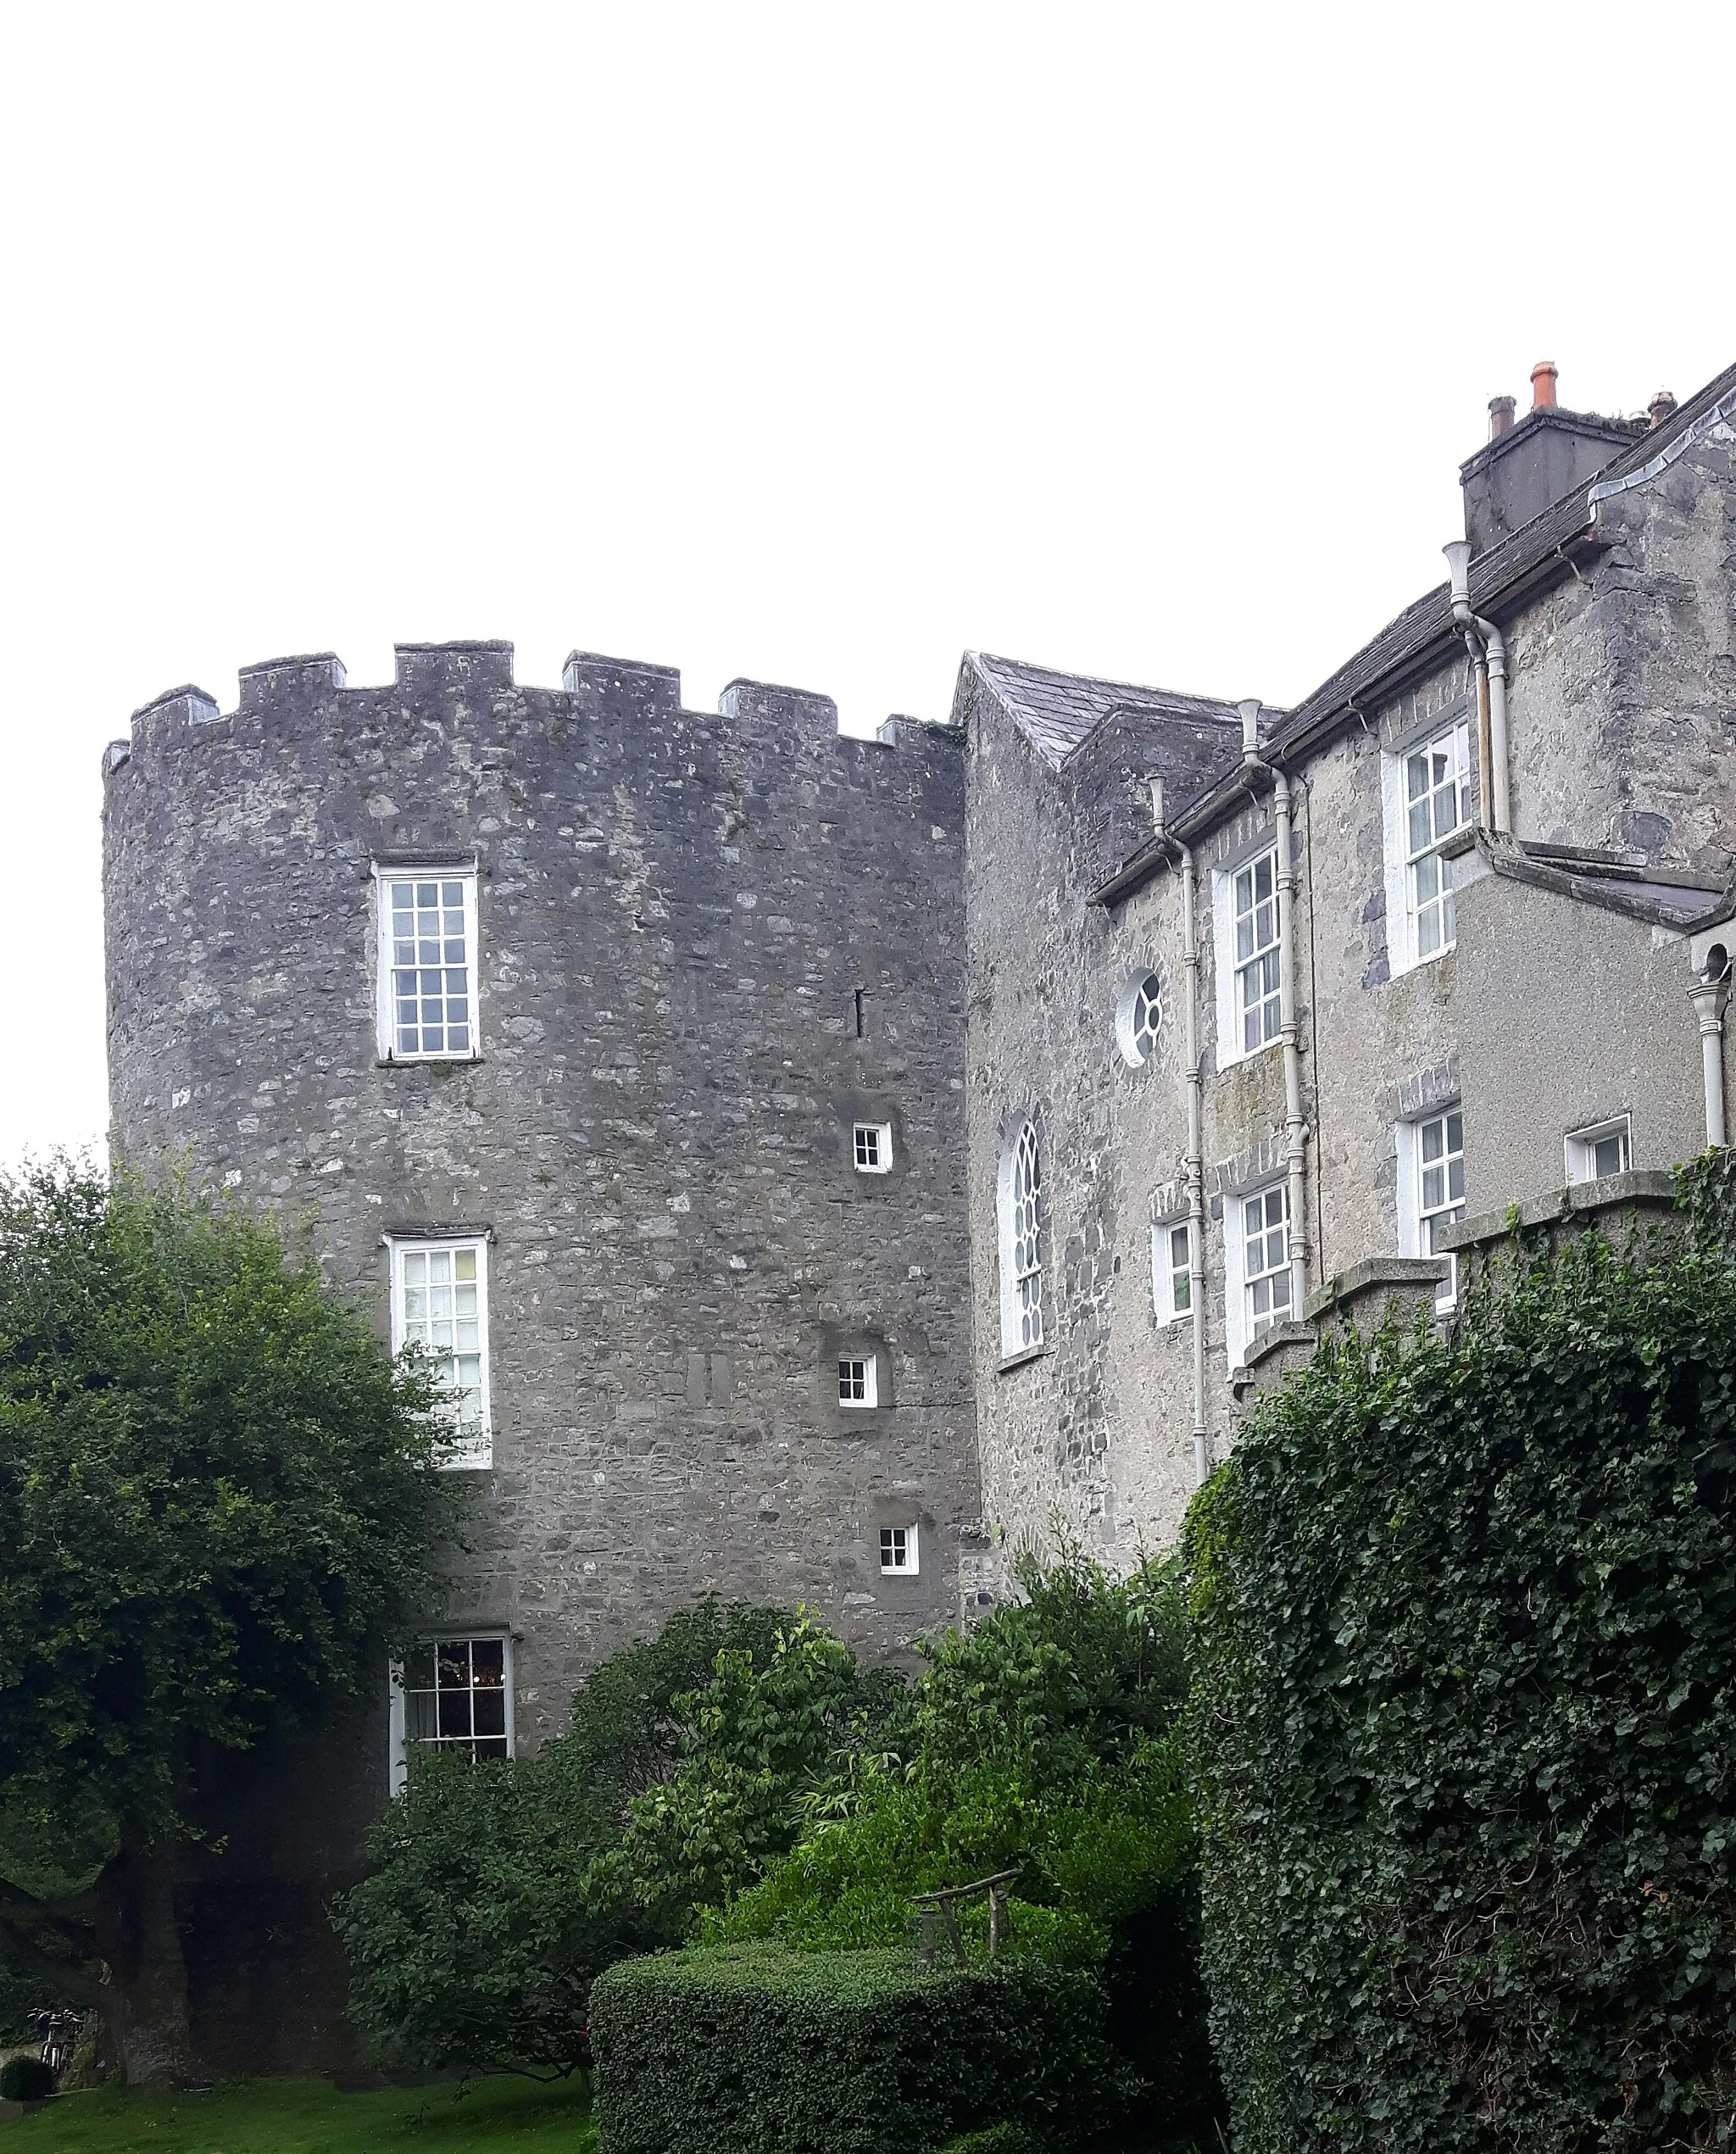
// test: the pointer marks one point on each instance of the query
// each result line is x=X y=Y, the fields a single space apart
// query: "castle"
x=819 y=1166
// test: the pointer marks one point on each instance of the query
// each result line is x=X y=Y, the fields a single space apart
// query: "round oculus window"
x=1139 y=1019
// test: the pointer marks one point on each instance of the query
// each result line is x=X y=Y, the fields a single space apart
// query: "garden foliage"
x=1465 y=1719
x=474 y=1939
x=759 y=2050
x=25 y=2078
x=1045 y=1741
x=1042 y=1741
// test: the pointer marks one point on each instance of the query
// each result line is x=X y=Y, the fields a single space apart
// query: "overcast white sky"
x=808 y=344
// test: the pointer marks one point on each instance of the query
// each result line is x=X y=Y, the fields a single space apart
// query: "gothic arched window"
x=1021 y=1242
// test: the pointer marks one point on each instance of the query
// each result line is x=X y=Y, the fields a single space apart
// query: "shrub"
x=474 y=1938
x=25 y=2078
x=1466 y=1725
x=1044 y=1741
x=759 y=2050
x=754 y=1739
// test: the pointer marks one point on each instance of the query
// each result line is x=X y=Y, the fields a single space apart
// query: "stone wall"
x=1623 y=703
x=1095 y=1433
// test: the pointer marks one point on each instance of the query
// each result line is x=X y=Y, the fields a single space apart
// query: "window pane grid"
x=1027 y=1238
x=440 y=1310
x=454 y=1696
x=431 y=966
x=1258 y=989
x=896 y=1548
x=856 y=1385
x=1265 y=1265
x=1437 y=803
x=867 y=1145
x=1147 y=1018
x=1440 y=1169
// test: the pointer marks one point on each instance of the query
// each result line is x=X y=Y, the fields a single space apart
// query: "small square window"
x=427 y=965
x=898 y=1550
x=1594 y=1154
x=857 y=1383
x=873 y=1147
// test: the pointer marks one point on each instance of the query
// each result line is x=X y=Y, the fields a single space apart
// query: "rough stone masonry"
x=709 y=945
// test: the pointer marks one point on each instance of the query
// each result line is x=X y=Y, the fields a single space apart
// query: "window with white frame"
x=1265 y=1260
x=1139 y=1019
x=439 y=1305
x=1595 y=1154
x=427 y=964
x=1427 y=799
x=899 y=1551
x=1172 y=1270
x=1021 y=1201
x=453 y=1694
x=873 y=1147
x=1255 y=901
x=858 y=1380
x=1431 y=1185
x=1440 y=1176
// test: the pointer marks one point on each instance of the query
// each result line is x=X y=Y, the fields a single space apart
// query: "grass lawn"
x=309 y=2117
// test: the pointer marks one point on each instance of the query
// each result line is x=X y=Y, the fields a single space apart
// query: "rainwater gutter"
x=1489 y=656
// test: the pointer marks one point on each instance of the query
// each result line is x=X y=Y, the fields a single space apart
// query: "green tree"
x=219 y=1496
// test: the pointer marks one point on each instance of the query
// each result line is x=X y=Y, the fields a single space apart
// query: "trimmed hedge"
x=25 y=2078
x=761 y=2050
x=1466 y=1711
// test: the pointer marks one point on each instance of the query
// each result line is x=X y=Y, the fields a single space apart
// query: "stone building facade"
x=1418 y=1065
x=856 y=1159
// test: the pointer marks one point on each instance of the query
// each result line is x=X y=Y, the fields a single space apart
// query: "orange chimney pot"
x=1543 y=385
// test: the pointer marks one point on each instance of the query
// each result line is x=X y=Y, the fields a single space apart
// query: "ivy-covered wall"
x=1466 y=1723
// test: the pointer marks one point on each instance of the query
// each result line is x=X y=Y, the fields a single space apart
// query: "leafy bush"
x=755 y=1740
x=1466 y=1622
x=25 y=2078
x=1044 y=1741
x=474 y=1938
x=764 y=2052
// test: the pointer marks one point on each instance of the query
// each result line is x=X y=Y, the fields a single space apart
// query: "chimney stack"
x=1533 y=459
x=1662 y=406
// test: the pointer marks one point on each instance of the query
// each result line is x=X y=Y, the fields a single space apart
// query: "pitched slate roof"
x=1056 y=711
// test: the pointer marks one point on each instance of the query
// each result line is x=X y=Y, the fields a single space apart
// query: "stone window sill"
x=425 y=1061
x=1009 y=1362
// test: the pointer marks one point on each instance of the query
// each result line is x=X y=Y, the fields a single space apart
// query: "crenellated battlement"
x=277 y=678
x=593 y=686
